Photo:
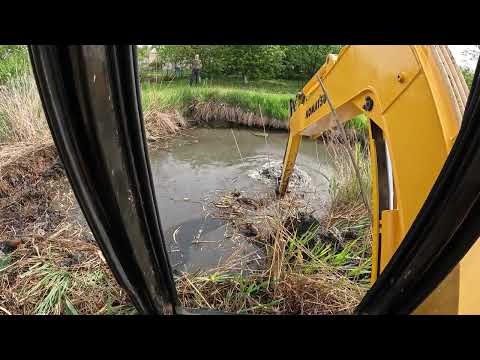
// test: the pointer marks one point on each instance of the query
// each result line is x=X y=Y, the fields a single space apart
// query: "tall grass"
x=22 y=118
x=348 y=213
x=344 y=186
x=21 y=113
x=162 y=124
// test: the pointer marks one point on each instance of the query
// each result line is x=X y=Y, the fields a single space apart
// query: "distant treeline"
x=247 y=61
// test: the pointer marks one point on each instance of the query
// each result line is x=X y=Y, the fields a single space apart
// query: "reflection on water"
x=206 y=161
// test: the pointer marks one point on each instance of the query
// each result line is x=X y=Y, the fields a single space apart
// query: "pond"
x=204 y=163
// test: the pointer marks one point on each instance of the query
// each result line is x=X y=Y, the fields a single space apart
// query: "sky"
x=461 y=59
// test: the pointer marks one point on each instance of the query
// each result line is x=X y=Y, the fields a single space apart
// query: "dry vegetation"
x=21 y=113
x=50 y=264
x=307 y=270
x=311 y=266
x=162 y=126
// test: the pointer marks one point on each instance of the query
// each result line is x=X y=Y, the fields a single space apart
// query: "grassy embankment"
x=253 y=104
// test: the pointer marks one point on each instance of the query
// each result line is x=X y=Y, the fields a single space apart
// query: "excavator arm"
x=414 y=98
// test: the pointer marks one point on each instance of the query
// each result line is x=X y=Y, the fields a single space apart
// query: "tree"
x=467 y=75
x=473 y=53
x=252 y=61
x=142 y=53
x=249 y=61
x=183 y=55
x=302 y=61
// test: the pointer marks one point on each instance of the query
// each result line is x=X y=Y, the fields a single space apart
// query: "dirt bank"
x=223 y=115
x=209 y=112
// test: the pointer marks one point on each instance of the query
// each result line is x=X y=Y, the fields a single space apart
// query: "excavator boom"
x=414 y=98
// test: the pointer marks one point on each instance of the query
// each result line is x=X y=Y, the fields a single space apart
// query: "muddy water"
x=206 y=162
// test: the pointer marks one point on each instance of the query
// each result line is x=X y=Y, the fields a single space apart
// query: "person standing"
x=177 y=71
x=196 y=67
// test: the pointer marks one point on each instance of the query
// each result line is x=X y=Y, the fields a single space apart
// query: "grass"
x=359 y=124
x=47 y=285
x=22 y=118
x=309 y=281
x=467 y=75
x=162 y=125
x=278 y=86
x=21 y=112
x=265 y=98
x=344 y=186
x=14 y=62
x=53 y=283
x=274 y=105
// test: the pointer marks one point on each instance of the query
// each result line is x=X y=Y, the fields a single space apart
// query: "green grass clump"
x=359 y=123
x=53 y=283
x=351 y=260
x=54 y=289
x=14 y=62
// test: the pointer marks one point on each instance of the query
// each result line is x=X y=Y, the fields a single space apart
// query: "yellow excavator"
x=414 y=98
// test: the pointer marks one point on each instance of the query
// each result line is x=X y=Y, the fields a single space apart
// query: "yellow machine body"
x=416 y=96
